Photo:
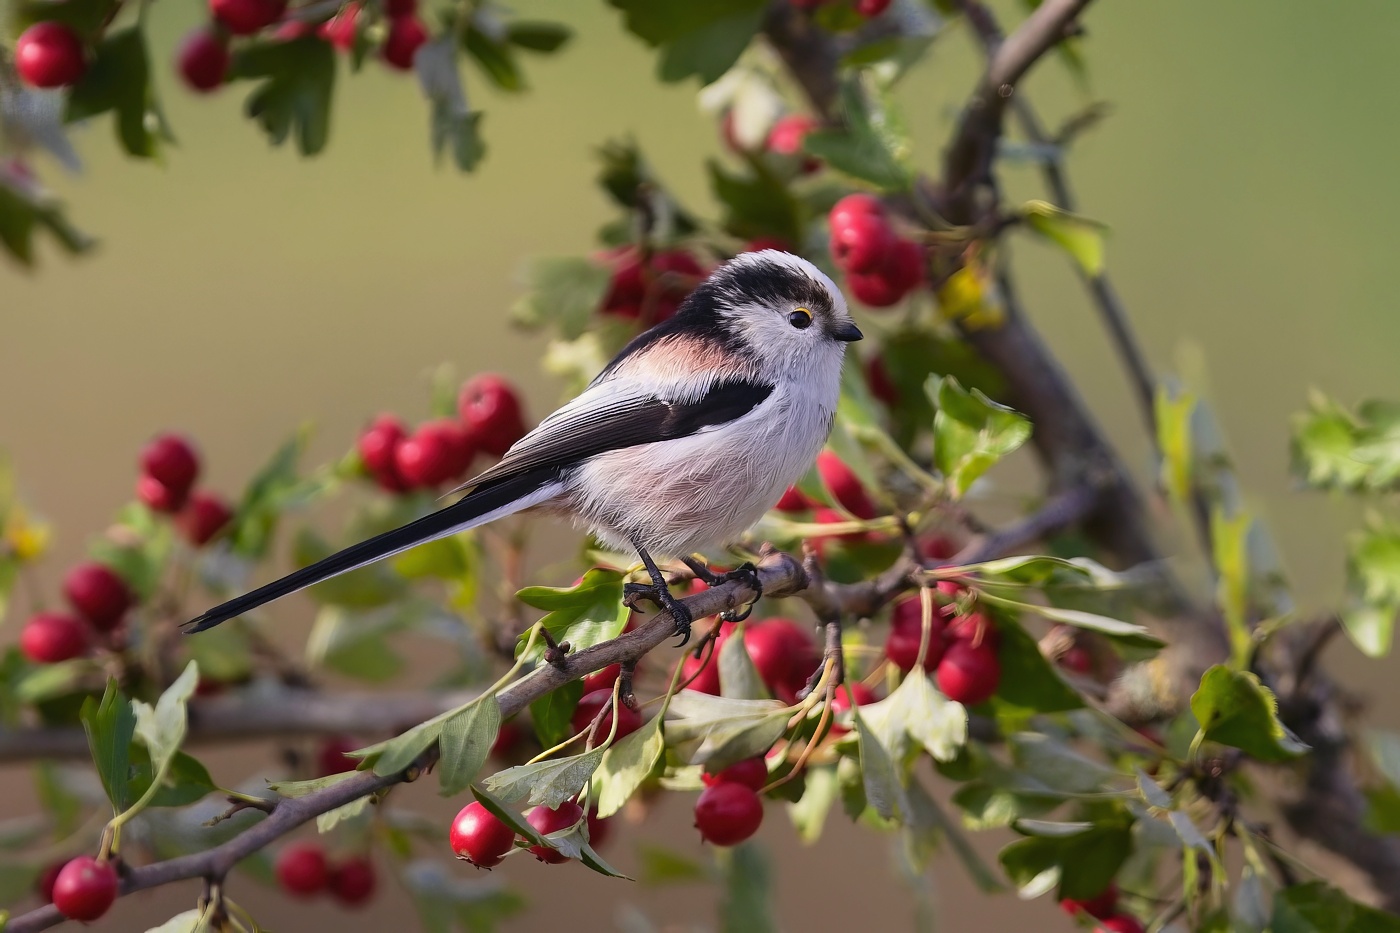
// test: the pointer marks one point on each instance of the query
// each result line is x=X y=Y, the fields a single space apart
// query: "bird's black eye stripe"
x=800 y=318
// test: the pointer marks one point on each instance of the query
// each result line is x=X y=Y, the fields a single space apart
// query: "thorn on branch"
x=555 y=655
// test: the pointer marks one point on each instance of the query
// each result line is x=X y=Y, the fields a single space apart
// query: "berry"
x=479 y=837
x=245 y=17
x=1077 y=659
x=50 y=637
x=204 y=516
x=379 y=443
x=406 y=35
x=844 y=485
x=727 y=814
x=628 y=719
x=627 y=288
x=435 y=453
x=707 y=678
x=352 y=881
x=333 y=756
x=841 y=701
x=794 y=500
x=877 y=377
x=974 y=628
x=751 y=773
x=171 y=460
x=968 y=673
x=852 y=206
x=871 y=8
x=783 y=655
x=860 y=242
x=203 y=60
x=159 y=497
x=902 y=647
x=767 y=242
x=98 y=594
x=546 y=821
x=49 y=54
x=904 y=266
x=85 y=888
x=786 y=136
x=602 y=680
x=1120 y=923
x=340 y=31
x=1101 y=905
x=873 y=289
x=301 y=869
x=938 y=547
x=43 y=885
x=599 y=829
x=396 y=9
x=490 y=408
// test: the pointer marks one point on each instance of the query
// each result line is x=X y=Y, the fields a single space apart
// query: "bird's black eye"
x=800 y=318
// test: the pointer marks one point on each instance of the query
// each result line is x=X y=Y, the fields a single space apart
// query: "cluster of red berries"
x=82 y=888
x=729 y=810
x=881 y=267
x=478 y=837
x=489 y=421
x=649 y=286
x=100 y=600
x=1103 y=907
x=782 y=652
x=785 y=138
x=961 y=649
x=169 y=468
x=303 y=870
x=845 y=487
x=866 y=8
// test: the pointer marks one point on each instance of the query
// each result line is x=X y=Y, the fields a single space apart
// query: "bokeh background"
x=1246 y=173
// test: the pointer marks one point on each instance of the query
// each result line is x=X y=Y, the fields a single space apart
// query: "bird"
x=684 y=440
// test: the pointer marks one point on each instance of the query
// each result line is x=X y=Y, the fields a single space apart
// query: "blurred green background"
x=1246 y=173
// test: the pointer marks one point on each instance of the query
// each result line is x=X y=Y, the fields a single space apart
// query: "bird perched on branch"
x=682 y=442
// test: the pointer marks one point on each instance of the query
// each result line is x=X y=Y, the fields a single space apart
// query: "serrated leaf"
x=915 y=717
x=583 y=616
x=496 y=59
x=118 y=79
x=454 y=126
x=465 y=742
x=1082 y=239
x=22 y=212
x=1373 y=587
x=162 y=727
x=873 y=146
x=110 y=725
x=310 y=786
x=1317 y=907
x=758 y=204
x=275 y=488
x=883 y=789
x=700 y=39
x=1028 y=680
x=538 y=35
x=325 y=822
x=1128 y=634
x=718 y=731
x=295 y=95
x=1082 y=863
x=971 y=432
x=1056 y=766
x=1230 y=552
x=547 y=783
x=552 y=714
x=738 y=678
x=186 y=779
x=626 y=765
x=1234 y=708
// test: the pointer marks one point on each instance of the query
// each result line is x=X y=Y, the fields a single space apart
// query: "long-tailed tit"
x=689 y=435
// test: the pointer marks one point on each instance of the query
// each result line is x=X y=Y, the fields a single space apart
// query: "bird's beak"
x=846 y=332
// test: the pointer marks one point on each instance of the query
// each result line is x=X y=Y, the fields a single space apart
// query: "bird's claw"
x=662 y=598
x=748 y=574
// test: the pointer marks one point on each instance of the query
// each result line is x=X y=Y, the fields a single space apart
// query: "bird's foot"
x=660 y=595
x=746 y=573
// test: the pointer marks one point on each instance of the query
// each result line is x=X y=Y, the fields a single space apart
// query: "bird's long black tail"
x=478 y=507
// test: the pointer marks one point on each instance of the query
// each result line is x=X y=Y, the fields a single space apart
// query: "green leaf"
x=186 y=779
x=756 y=205
x=738 y=678
x=627 y=764
x=345 y=813
x=353 y=642
x=873 y=146
x=444 y=559
x=1373 y=587
x=119 y=80
x=809 y=812
x=110 y=725
x=465 y=742
x=23 y=212
x=1235 y=709
x=86 y=17
x=1337 y=449
x=365 y=588
x=162 y=727
x=552 y=714
x=928 y=823
x=583 y=615
x=662 y=866
x=562 y=292
x=1174 y=440
x=274 y=489
x=454 y=126
x=971 y=432
x=1028 y=680
x=547 y=783
x=398 y=753
x=501 y=810
x=1055 y=766
x=538 y=35
x=718 y=731
x=496 y=59
x=701 y=39
x=1083 y=863
x=747 y=902
x=1230 y=551
x=883 y=789
x=915 y=718
x=1127 y=634
x=295 y=95
x=1081 y=238
x=1317 y=907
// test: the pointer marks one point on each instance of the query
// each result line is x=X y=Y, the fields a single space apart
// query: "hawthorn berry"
x=508 y=737
x=969 y=672
x=783 y=655
x=628 y=719
x=490 y=408
x=873 y=289
x=726 y=814
x=794 y=500
x=902 y=647
x=406 y=35
x=159 y=497
x=786 y=136
x=49 y=54
x=859 y=244
x=702 y=673
x=340 y=31
x=844 y=485
x=973 y=627
x=333 y=757
x=433 y=454
x=204 y=59
x=603 y=679
x=352 y=882
x=938 y=547
x=750 y=772
x=546 y=821
x=98 y=594
x=1120 y=923
x=302 y=869
x=85 y=888
x=51 y=637
x=1076 y=658
x=245 y=17
x=43 y=885
x=172 y=461
x=204 y=516
x=1100 y=906
x=478 y=837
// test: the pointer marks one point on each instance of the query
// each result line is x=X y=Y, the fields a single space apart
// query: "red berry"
x=49 y=54
x=751 y=773
x=431 y=456
x=877 y=377
x=1077 y=659
x=171 y=460
x=859 y=244
x=628 y=719
x=841 y=702
x=727 y=814
x=874 y=289
x=293 y=29
x=854 y=205
x=767 y=242
x=904 y=266
x=546 y=821
x=406 y=35
x=85 y=888
x=340 y=31
x=786 y=136
x=1101 y=905
x=707 y=678
x=1121 y=923
x=204 y=60
x=245 y=17
x=379 y=443
x=204 y=516
x=974 y=628
x=627 y=288
x=395 y=9
x=352 y=882
x=333 y=756
x=938 y=547
x=844 y=485
x=968 y=673
x=159 y=497
x=301 y=869
x=599 y=829
x=869 y=8
x=783 y=654
x=902 y=647
x=602 y=680
x=43 y=885
x=98 y=594
x=479 y=837
x=490 y=408
x=50 y=637
x=793 y=501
